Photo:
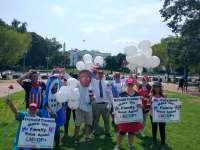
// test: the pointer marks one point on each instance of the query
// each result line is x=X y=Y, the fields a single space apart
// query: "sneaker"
x=117 y=147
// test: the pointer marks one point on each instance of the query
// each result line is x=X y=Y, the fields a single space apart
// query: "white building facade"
x=76 y=55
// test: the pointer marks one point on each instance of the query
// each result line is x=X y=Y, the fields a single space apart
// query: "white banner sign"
x=37 y=132
x=126 y=109
x=166 y=110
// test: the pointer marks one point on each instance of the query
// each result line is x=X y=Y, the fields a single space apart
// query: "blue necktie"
x=100 y=89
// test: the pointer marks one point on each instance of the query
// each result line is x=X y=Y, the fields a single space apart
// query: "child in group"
x=53 y=108
x=130 y=128
x=157 y=93
x=32 y=111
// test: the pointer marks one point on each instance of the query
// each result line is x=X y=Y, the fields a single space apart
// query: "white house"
x=76 y=55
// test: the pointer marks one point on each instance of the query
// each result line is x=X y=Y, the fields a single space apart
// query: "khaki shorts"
x=83 y=117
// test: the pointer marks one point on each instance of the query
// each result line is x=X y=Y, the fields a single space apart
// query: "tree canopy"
x=13 y=45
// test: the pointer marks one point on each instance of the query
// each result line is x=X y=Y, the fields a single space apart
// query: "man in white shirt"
x=84 y=112
x=102 y=104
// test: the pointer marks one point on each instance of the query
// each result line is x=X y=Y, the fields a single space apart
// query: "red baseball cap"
x=145 y=78
x=33 y=106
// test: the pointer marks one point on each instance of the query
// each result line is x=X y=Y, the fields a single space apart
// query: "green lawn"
x=182 y=136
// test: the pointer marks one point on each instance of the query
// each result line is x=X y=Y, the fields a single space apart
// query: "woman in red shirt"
x=130 y=128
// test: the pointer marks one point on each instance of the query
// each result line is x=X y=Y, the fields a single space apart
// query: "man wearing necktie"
x=102 y=105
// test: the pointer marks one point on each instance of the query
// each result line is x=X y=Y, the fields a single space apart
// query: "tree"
x=13 y=46
x=19 y=26
x=183 y=17
x=180 y=13
x=168 y=51
x=115 y=63
x=43 y=52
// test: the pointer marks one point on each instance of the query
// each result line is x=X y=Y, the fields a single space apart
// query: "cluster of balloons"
x=88 y=63
x=141 y=56
x=69 y=93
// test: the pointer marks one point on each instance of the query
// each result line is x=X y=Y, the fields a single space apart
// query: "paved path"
x=4 y=88
x=173 y=88
x=167 y=86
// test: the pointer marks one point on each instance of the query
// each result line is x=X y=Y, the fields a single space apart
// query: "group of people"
x=96 y=96
x=183 y=84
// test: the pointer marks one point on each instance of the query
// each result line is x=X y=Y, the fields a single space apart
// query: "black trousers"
x=68 y=114
x=161 y=129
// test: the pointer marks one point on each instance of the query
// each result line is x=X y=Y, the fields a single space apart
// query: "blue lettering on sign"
x=24 y=129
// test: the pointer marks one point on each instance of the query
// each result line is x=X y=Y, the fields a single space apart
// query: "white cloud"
x=57 y=10
x=121 y=41
x=98 y=28
x=138 y=16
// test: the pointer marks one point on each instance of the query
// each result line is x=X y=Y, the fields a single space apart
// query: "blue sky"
x=106 y=25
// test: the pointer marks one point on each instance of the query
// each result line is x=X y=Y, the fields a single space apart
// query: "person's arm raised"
x=12 y=106
x=25 y=76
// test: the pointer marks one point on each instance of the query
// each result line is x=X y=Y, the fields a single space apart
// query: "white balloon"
x=62 y=94
x=60 y=97
x=73 y=104
x=138 y=59
x=130 y=50
x=99 y=61
x=148 y=62
x=76 y=94
x=129 y=58
x=131 y=67
x=87 y=58
x=74 y=99
x=147 y=52
x=80 y=65
x=145 y=44
x=140 y=69
x=156 y=61
x=72 y=83
x=89 y=65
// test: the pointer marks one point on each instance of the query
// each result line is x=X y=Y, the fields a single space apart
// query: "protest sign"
x=166 y=110
x=126 y=109
x=37 y=132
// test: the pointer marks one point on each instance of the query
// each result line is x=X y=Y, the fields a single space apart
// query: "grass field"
x=182 y=136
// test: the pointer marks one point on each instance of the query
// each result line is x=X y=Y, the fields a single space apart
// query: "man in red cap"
x=32 y=111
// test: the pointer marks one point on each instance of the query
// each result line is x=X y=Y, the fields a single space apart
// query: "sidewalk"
x=173 y=88
x=4 y=88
